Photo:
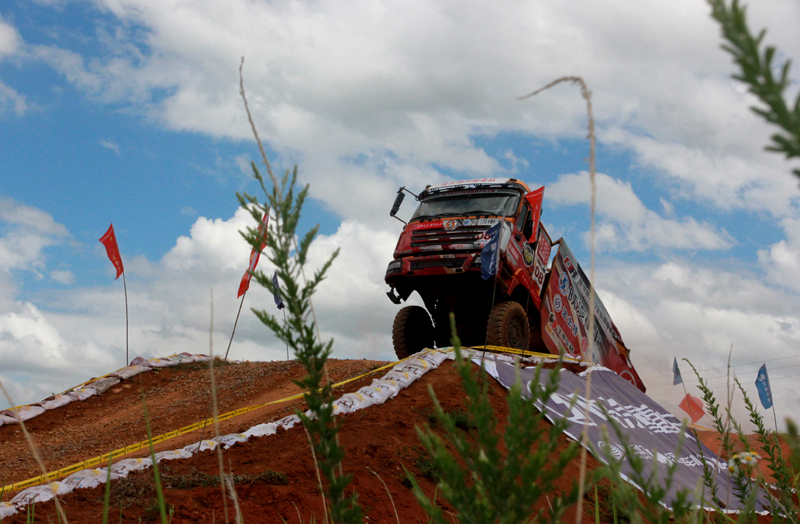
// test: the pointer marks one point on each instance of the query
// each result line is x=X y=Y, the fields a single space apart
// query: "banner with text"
x=647 y=429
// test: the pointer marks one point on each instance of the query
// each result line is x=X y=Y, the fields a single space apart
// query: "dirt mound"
x=712 y=439
x=176 y=397
x=276 y=475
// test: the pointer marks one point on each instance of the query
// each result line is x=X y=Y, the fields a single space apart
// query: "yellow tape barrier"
x=514 y=351
x=103 y=459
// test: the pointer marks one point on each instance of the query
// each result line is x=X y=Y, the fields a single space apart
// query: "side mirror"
x=397 y=201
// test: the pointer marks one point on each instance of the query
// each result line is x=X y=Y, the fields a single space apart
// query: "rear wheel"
x=508 y=326
x=412 y=331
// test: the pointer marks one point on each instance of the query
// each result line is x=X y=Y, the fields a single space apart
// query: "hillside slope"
x=378 y=440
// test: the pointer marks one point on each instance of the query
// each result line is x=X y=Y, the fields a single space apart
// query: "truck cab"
x=438 y=255
x=507 y=297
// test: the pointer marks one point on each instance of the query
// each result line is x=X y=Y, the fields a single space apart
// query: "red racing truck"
x=522 y=299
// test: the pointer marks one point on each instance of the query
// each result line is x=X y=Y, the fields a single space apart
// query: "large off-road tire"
x=412 y=331
x=508 y=326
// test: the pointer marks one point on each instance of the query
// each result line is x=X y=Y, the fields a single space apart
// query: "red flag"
x=693 y=406
x=255 y=254
x=535 y=198
x=110 y=241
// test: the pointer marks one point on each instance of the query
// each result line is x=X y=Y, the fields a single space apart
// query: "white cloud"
x=9 y=39
x=82 y=331
x=113 y=146
x=62 y=276
x=625 y=224
x=28 y=231
x=10 y=100
x=373 y=94
x=782 y=260
x=367 y=96
x=679 y=309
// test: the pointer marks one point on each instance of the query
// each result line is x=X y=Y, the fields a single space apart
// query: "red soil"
x=176 y=397
x=713 y=441
x=379 y=438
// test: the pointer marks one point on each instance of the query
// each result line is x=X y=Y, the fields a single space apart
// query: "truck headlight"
x=394 y=266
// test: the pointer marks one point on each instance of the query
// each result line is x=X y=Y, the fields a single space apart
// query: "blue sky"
x=127 y=111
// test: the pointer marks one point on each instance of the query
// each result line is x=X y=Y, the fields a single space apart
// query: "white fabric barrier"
x=101 y=385
x=14 y=415
x=82 y=393
x=200 y=446
x=125 y=466
x=402 y=378
x=162 y=362
x=378 y=395
x=379 y=392
x=350 y=402
x=131 y=371
x=7 y=509
x=88 y=478
x=40 y=493
x=182 y=358
x=388 y=386
x=262 y=430
x=140 y=361
x=172 y=455
x=288 y=422
x=56 y=402
x=229 y=440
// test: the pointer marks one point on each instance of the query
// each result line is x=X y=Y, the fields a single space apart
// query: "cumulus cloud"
x=782 y=260
x=82 y=330
x=27 y=231
x=626 y=224
x=375 y=94
x=679 y=309
x=372 y=95
x=9 y=39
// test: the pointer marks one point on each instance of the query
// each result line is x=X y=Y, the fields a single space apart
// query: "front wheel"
x=412 y=331
x=508 y=326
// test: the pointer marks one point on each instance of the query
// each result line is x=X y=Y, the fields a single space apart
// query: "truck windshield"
x=490 y=204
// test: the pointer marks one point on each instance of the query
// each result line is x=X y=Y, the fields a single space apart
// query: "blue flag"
x=489 y=252
x=676 y=372
x=762 y=385
x=276 y=291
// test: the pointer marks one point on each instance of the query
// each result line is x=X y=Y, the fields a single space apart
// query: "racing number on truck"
x=538 y=274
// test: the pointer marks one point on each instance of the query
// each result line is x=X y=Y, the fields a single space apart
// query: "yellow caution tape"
x=515 y=351
x=163 y=438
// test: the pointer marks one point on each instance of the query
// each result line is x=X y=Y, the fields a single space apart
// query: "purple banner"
x=650 y=431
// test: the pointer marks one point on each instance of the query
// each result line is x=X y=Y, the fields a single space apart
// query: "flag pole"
x=775 y=417
x=125 y=287
x=286 y=327
x=234 y=324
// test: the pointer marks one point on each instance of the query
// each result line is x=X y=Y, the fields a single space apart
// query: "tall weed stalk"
x=286 y=202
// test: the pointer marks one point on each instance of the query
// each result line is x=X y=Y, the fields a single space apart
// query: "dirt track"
x=379 y=438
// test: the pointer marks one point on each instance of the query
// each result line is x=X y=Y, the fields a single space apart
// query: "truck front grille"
x=445 y=239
